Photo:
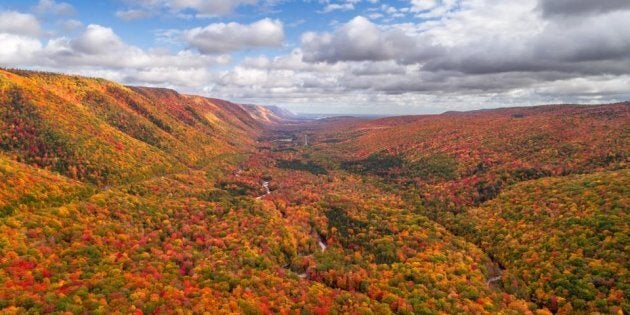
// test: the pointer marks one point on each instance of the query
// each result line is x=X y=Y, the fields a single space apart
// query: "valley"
x=143 y=200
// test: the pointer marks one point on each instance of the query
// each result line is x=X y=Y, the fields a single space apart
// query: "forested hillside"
x=508 y=181
x=105 y=133
x=146 y=201
x=560 y=239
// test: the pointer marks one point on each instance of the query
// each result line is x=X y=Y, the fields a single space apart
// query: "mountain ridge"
x=153 y=120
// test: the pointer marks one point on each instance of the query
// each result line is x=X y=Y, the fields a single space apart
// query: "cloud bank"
x=222 y=38
x=444 y=55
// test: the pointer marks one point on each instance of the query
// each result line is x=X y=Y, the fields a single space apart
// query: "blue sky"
x=297 y=17
x=336 y=56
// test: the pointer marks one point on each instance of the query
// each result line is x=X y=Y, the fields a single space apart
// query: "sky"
x=336 y=56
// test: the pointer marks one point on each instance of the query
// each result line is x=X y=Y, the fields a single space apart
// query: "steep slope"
x=22 y=186
x=561 y=239
x=110 y=201
x=505 y=180
x=105 y=133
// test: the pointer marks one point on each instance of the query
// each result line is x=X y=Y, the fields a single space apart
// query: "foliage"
x=140 y=200
x=299 y=165
x=438 y=166
x=562 y=239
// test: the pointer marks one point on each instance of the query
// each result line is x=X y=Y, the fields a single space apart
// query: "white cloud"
x=174 y=77
x=18 y=49
x=482 y=38
x=580 y=7
x=437 y=9
x=203 y=8
x=214 y=7
x=133 y=14
x=19 y=23
x=586 y=86
x=52 y=7
x=99 y=46
x=338 y=7
x=423 y=5
x=483 y=53
x=71 y=25
x=223 y=38
x=98 y=51
x=97 y=40
x=357 y=40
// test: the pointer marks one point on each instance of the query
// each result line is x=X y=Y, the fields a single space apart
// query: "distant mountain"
x=270 y=113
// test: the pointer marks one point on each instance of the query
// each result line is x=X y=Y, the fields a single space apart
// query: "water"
x=320 y=241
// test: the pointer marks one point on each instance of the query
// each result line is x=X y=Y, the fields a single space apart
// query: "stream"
x=493 y=279
x=321 y=243
x=265 y=185
x=496 y=273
